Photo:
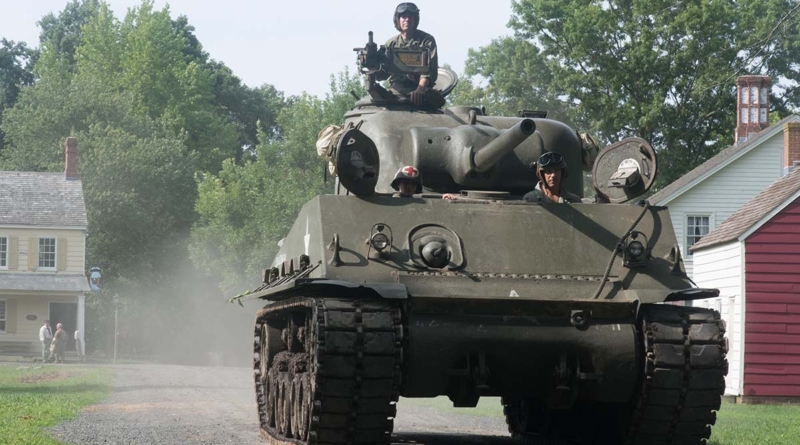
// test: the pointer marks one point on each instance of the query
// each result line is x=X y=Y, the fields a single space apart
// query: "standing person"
x=419 y=87
x=59 y=343
x=551 y=169
x=79 y=346
x=46 y=337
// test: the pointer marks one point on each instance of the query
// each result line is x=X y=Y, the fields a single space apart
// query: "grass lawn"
x=736 y=424
x=33 y=398
x=756 y=425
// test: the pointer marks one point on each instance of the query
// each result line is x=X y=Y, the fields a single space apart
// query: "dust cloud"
x=186 y=320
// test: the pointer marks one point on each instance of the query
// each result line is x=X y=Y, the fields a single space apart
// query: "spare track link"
x=684 y=376
x=355 y=370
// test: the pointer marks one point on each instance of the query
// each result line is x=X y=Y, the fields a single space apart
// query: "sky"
x=296 y=45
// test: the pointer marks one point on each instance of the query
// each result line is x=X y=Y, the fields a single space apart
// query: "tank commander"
x=407 y=181
x=551 y=169
x=418 y=87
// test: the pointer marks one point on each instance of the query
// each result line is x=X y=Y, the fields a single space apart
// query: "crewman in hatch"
x=407 y=181
x=551 y=169
x=419 y=88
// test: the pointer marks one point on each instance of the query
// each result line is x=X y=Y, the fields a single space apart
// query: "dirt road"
x=163 y=404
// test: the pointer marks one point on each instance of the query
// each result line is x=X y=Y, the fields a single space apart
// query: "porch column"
x=81 y=321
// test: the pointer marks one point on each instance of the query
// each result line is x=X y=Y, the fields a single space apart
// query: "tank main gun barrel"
x=485 y=157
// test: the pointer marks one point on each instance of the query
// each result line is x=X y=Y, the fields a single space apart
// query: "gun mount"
x=378 y=63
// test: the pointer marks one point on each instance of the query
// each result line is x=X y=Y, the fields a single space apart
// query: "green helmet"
x=410 y=173
x=406 y=7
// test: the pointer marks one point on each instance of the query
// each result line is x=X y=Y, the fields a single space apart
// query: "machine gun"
x=378 y=63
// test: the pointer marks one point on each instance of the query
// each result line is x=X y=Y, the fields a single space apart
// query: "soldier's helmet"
x=405 y=8
x=551 y=161
x=411 y=173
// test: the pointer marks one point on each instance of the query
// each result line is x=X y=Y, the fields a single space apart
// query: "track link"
x=341 y=386
x=684 y=376
x=682 y=382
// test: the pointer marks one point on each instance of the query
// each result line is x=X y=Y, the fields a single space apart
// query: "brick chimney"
x=791 y=146
x=752 y=105
x=71 y=161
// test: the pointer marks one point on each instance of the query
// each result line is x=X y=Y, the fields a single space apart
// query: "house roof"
x=773 y=197
x=717 y=162
x=35 y=282
x=41 y=199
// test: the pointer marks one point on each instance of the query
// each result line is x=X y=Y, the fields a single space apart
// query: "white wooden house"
x=753 y=258
x=42 y=255
x=706 y=196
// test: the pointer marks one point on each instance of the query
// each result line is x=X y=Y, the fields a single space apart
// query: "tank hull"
x=527 y=308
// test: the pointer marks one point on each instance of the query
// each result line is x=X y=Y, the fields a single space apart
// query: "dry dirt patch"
x=52 y=376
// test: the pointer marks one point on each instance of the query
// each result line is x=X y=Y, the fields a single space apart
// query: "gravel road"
x=165 y=404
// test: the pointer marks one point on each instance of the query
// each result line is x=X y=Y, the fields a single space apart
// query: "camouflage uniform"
x=537 y=195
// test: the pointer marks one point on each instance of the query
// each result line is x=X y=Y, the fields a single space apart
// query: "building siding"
x=76 y=244
x=772 y=336
x=38 y=305
x=720 y=267
x=725 y=191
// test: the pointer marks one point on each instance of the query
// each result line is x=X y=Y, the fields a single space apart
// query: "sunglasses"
x=550 y=158
x=407 y=7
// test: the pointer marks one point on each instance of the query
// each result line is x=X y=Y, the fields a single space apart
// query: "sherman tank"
x=575 y=316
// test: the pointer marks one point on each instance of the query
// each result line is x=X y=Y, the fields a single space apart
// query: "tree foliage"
x=16 y=71
x=246 y=209
x=660 y=70
x=152 y=112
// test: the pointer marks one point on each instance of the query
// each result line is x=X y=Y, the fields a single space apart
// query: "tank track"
x=684 y=376
x=338 y=382
x=680 y=391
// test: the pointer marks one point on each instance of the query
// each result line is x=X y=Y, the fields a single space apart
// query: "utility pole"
x=116 y=325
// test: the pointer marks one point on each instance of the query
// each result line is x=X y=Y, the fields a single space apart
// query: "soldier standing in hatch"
x=551 y=169
x=418 y=87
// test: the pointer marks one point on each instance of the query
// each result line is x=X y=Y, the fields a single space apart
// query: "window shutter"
x=11 y=316
x=13 y=253
x=61 y=255
x=33 y=253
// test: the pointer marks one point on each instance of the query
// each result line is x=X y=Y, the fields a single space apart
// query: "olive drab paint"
x=555 y=308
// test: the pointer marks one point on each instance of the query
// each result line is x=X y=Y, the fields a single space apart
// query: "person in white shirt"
x=46 y=337
x=78 y=346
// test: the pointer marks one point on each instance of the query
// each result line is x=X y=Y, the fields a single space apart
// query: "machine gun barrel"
x=484 y=158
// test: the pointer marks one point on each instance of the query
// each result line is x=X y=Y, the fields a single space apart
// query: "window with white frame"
x=763 y=96
x=47 y=253
x=754 y=95
x=745 y=114
x=2 y=315
x=745 y=95
x=763 y=117
x=3 y=252
x=696 y=228
x=754 y=115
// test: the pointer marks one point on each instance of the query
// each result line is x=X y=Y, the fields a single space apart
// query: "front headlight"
x=379 y=241
x=635 y=249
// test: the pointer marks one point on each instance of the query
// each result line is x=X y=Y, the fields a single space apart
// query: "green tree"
x=16 y=71
x=161 y=67
x=62 y=33
x=246 y=209
x=660 y=70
